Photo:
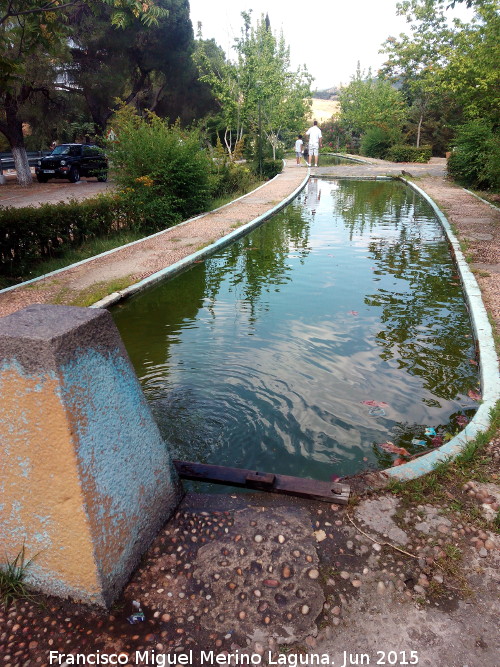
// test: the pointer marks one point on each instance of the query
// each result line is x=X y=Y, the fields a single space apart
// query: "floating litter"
x=376 y=404
x=418 y=443
x=376 y=412
x=430 y=432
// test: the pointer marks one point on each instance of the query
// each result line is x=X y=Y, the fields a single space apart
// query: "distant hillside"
x=323 y=109
x=327 y=94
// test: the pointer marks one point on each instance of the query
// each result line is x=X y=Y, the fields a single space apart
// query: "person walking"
x=315 y=142
x=299 y=144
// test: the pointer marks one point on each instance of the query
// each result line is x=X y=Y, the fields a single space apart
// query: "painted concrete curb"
x=187 y=262
x=489 y=369
x=495 y=208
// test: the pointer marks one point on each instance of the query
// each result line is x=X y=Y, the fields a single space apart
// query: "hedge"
x=30 y=235
x=405 y=153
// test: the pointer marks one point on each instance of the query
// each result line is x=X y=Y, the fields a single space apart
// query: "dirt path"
x=53 y=192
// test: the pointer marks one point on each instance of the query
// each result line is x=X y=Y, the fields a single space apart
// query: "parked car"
x=72 y=161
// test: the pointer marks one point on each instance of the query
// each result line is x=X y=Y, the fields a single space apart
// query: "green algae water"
x=336 y=326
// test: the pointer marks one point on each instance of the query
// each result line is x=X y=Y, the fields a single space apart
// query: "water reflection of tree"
x=365 y=204
x=260 y=261
x=426 y=327
x=257 y=263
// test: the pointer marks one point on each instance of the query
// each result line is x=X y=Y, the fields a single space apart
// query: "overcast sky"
x=329 y=36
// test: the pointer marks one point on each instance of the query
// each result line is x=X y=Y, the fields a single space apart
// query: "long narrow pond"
x=335 y=327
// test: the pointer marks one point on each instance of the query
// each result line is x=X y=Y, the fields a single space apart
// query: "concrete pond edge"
x=488 y=366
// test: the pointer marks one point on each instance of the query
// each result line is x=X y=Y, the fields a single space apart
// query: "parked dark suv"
x=72 y=161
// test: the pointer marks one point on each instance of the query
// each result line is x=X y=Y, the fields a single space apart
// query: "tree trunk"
x=13 y=130
x=228 y=140
x=22 y=167
x=419 y=129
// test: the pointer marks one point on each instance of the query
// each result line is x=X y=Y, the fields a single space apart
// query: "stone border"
x=489 y=368
x=186 y=262
x=495 y=208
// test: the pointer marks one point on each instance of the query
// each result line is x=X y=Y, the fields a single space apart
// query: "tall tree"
x=258 y=83
x=369 y=101
x=271 y=86
x=447 y=67
x=148 y=67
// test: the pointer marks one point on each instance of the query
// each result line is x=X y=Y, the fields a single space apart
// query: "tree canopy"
x=441 y=74
x=369 y=101
x=35 y=47
x=258 y=88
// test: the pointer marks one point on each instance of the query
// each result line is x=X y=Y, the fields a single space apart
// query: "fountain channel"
x=336 y=327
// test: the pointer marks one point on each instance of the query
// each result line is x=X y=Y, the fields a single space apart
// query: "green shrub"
x=231 y=178
x=163 y=172
x=492 y=164
x=404 y=153
x=376 y=142
x=475 y=159
x=270 y=168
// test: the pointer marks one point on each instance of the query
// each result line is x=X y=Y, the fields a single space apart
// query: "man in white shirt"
x=315 y=141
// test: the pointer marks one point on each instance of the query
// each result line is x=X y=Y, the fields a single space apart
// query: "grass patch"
x=96 y=292
x=12 y=576
x=491 y=197
x=226 y=199
x=205 y=245
x=452 y=568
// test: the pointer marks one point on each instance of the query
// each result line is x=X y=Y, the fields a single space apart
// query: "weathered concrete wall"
x=85 y=478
